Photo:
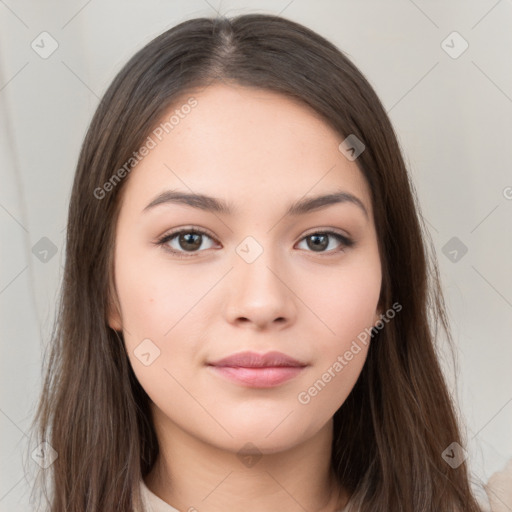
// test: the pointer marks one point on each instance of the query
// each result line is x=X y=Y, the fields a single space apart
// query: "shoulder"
x=499 y=490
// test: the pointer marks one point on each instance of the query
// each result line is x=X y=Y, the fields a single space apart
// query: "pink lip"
x=258 y=370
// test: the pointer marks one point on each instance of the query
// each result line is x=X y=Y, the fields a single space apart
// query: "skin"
x=259 y=151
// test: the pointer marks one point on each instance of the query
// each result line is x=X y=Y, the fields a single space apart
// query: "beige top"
x=495 y=496
x=152 y=503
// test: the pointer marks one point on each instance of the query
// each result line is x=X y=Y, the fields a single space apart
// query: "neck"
x=191 y=474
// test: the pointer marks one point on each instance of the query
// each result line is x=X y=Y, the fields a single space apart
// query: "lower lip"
x=258 y=377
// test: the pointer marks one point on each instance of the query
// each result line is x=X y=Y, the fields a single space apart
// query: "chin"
x=261 y=439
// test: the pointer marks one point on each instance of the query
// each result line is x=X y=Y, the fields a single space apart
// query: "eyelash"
x=345 y=241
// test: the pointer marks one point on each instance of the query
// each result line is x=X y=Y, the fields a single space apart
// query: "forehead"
x=253 y=147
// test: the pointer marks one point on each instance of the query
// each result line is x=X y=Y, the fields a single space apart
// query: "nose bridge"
x=259 y=293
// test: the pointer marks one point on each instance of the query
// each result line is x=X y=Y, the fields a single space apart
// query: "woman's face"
x=260 y=278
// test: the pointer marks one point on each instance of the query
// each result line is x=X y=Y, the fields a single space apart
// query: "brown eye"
x=317 y=242
x=190 y=241
x=185 y=241
x=321 y=241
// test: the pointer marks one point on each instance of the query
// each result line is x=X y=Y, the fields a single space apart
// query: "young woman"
x=249 y=310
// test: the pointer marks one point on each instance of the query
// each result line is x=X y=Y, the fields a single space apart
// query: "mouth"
x=258 y=370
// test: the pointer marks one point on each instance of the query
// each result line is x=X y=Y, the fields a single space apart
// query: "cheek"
x=353 y=306
x=157 y=334
x=161 y=303
x=341 y=342
x=155 y=295
x=344 y=300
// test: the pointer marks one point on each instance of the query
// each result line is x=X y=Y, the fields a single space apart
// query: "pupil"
x=322 y=245
x=192 y=240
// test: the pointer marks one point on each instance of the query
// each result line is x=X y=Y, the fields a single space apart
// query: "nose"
x=260 y=296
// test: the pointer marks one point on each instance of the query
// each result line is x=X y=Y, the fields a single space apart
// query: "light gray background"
x=453 y=117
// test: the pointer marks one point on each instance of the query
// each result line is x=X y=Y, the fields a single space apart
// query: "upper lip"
x=255 y=360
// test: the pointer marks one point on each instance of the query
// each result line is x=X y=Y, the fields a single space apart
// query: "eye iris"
x=318 y=244
x=190 y=241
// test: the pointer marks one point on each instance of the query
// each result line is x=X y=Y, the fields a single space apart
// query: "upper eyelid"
x=203 y=231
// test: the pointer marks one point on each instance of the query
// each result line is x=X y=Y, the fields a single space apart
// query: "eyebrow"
x=213 y=204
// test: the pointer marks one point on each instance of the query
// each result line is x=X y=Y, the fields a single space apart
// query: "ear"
x=114 y=317
x=378 y=316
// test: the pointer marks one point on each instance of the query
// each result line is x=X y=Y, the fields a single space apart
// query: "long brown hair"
x=390 y=433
